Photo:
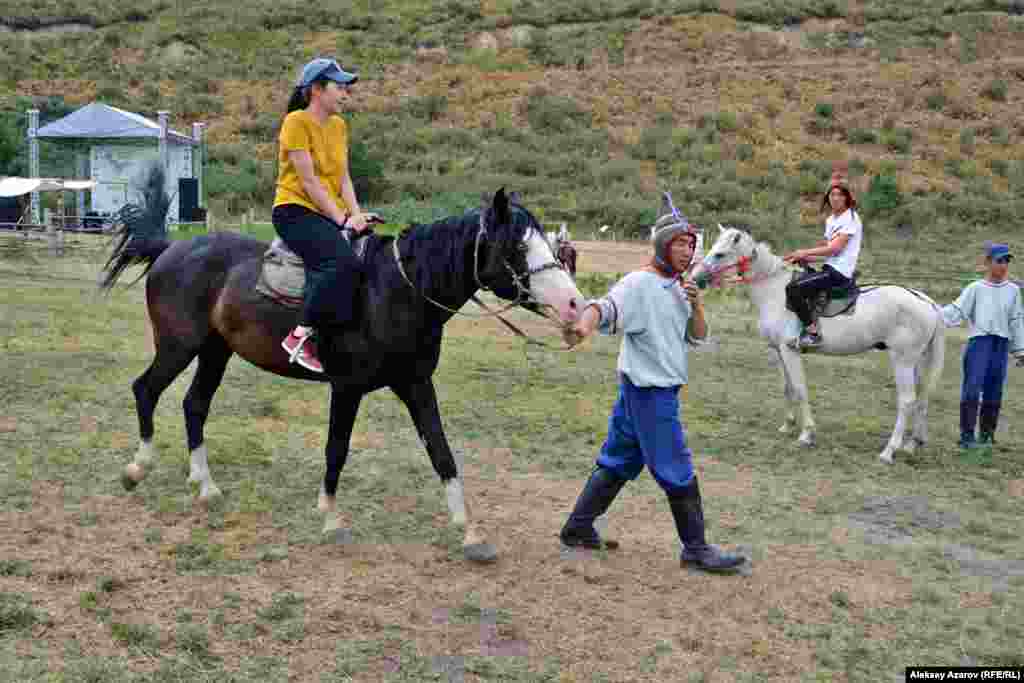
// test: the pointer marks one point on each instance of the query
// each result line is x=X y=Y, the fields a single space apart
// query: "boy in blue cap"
x=995 y=310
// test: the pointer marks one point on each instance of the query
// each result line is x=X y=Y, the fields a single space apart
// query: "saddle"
x=283 y=274
x=834 y=302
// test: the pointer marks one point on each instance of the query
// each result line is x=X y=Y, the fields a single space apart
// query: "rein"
x=742 y=267
x=522 y=293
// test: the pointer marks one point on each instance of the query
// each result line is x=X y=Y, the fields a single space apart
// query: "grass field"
x=859 y=569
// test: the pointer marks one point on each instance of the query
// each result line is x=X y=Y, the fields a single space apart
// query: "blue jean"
x=985 y=362
x=645 y=429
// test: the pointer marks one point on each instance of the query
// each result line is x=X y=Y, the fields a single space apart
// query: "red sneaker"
x=303 y=351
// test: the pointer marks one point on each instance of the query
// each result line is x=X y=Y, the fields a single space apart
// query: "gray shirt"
x=990 y=308
x=651 y=312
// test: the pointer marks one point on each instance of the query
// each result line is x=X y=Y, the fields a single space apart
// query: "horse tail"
x=934 y=358
x=141 y=230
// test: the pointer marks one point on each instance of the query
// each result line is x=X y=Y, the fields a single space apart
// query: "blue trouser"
x=985 y=362
x=644 y=429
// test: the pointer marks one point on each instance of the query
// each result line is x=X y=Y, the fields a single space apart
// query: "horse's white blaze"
x=456 y=501
x=910 y=326
x=199 y=473
x=552 y=287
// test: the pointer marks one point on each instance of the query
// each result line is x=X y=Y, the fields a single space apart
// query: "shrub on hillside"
x=897 y=139
x=962 y=168
x=824 y=110
x=883 y=195
x=1001 y=167
x=654 y=143
x=862 y=136
x=367 y=171
x=554 y=113
x=996 y=90
x=936 y=100
x=631 y=216
x=428 y=107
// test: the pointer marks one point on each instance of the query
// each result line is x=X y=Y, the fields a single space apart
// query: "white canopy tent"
x=115 y=156
x=13 y=186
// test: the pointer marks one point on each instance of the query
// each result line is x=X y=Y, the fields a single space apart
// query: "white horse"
x=905 y=322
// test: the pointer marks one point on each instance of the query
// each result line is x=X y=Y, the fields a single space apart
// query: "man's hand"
x=583 y=327
x=693 y=293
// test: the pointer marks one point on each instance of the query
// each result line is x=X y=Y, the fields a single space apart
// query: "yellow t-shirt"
x=328 y=147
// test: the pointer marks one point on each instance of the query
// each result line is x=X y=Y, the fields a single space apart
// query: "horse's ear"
x=500 y=205
x=720 y=229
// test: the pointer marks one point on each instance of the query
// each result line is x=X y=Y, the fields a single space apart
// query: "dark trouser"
x=801 y=294
x=333 y=274
x=985 y=362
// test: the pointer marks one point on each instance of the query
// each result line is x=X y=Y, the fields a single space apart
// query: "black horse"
x=203 y=303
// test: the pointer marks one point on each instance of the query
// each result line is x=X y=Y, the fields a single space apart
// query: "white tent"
x=120 y=146
x=98 y=120
x=13 y=186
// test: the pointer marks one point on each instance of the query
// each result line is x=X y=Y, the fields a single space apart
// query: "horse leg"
x=798 y=387
x=344 y=408
x=421 y=401
x=213 y=360
x=918 y=414
x=787 y=390
x=171 y=360
x=905 y=402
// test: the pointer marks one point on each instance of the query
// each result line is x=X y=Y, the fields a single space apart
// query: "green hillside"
x=586 y=107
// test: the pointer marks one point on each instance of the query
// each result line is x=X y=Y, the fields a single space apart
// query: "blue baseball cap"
x=321 y=67
x=998 y=251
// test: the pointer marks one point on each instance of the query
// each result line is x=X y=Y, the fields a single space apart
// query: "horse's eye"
x=718 y=256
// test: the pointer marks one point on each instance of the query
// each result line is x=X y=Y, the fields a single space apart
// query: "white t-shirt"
x=846 y=223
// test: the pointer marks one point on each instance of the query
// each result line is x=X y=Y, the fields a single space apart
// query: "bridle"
x=521 y=282
x=742 y=268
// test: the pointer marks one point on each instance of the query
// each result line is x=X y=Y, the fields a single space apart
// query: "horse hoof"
x=127 y=482
x=807 y=442
x=480 y=552
x=212 y=497
x=885 y=457
x=132 y=475
x=338 y=536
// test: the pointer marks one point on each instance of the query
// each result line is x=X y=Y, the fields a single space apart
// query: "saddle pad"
x=283 y=276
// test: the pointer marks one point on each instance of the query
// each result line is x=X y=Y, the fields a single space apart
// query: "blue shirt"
x=990 y=308
x=651 y=312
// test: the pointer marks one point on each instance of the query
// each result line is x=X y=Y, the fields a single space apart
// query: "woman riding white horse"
x=840 y=249
x=905 y=322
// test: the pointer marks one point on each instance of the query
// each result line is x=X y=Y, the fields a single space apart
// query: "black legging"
x=333 y=274
x=801 y=293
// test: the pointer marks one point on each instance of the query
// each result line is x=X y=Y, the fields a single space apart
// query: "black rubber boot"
x=594 y=500
x=968 y=421
x=988 y=422
x=688 y=511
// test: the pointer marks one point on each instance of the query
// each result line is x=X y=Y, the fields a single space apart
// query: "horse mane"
x=433 y=253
